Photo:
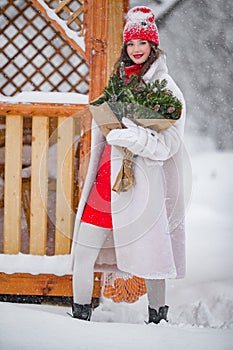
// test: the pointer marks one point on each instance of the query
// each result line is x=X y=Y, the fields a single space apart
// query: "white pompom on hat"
x=140 y=24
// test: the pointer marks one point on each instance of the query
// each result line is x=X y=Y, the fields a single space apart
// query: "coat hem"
x=114 y=268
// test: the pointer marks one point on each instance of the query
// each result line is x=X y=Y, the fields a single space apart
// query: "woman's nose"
x=136 y=48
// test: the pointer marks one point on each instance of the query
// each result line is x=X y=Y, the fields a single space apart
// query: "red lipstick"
x=138 y=56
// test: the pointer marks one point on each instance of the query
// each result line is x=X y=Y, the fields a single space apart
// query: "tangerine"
x=109 y=291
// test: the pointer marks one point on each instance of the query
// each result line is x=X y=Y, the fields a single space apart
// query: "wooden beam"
x=42 y=284
x=42 y=109
x=59 y=28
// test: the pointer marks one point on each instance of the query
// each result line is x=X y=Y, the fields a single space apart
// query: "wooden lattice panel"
x=34 y=56
x=69 y=10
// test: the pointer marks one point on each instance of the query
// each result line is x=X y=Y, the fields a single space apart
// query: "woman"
x=140 y=231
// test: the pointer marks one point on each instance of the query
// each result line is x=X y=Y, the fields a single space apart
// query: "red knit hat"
x=140 y=24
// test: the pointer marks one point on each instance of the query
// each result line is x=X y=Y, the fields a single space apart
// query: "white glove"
x=146 y=142
x=133 y=137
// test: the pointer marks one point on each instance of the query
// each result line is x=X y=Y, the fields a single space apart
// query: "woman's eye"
x=143 y=42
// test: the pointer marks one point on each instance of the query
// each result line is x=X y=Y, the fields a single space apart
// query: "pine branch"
x=136 y=99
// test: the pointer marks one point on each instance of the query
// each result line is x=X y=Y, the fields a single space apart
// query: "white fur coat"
x=148 y=237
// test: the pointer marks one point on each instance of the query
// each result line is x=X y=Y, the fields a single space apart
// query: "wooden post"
x=96 y=44
x=96 y=25
x=116 y=10
x=12 y=186
x=104 y=21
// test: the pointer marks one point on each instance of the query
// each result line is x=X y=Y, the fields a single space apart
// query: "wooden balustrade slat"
x=65 y=183
x=13 y=184
x=39 y=185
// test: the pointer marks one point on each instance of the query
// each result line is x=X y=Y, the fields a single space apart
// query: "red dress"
x=98 y=208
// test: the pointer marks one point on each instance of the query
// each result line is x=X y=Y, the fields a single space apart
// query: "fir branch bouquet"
x=139 y=100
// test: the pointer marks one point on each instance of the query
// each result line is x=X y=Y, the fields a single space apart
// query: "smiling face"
x=138 y=50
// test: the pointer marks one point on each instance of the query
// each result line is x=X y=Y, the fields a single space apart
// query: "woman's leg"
x=90 y=241
x=156 y=290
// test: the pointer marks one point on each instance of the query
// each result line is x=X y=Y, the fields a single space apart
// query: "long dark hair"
x=124 y=57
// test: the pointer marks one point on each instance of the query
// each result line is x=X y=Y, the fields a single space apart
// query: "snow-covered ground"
x=201 y=305
x=36 y=327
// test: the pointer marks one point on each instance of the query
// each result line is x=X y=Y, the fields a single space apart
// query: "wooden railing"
x=54 y=124
x=38 y=181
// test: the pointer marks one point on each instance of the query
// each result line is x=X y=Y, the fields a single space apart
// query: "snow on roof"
x=46 y=97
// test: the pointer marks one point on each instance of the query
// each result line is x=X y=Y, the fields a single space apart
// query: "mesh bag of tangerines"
x=123 y=287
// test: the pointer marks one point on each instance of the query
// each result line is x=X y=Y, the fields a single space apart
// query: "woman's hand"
x=133 y=137
x=146 y=142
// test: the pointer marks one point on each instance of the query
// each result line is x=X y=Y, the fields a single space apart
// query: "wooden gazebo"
x=61 y=46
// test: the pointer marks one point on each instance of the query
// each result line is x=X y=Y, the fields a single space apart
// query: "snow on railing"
x=46 y=97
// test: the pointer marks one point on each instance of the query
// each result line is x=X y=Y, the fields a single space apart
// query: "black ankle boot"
x=83 y=312
x=155 y=316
